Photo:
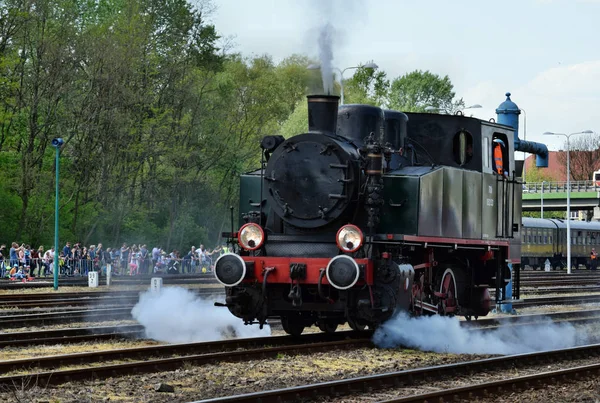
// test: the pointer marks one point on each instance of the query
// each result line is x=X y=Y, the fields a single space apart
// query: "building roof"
x=555 y=171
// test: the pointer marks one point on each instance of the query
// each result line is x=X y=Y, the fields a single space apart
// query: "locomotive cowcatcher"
x=372 y=212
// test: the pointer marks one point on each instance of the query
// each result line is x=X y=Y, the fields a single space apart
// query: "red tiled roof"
x=555 y=171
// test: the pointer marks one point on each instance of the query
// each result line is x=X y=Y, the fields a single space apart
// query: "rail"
x=556 y=187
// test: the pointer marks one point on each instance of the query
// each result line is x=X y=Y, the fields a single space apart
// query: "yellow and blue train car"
x=543 y=239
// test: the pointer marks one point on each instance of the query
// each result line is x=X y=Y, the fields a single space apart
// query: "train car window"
x=486 y=152
x=462 y=147
x=551 y=240
x=545 y=239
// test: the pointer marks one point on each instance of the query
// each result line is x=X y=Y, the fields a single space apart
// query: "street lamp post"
x=568 y=136
x=368 y=66
x=543 y=183
x=56 y=143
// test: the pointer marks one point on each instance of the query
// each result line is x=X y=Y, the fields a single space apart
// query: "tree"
x=584 y=156
x=367 y=86
x=415 y=91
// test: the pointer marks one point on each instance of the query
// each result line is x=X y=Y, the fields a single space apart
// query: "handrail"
x=550 y=187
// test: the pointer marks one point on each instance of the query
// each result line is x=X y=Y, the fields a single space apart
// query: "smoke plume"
x=177 y=315
x=326 y=34
x=443 y=334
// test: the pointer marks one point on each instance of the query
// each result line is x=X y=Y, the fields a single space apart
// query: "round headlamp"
x=349 y=238
x=251 y=236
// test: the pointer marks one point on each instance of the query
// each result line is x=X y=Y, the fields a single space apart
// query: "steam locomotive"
x=372 y=212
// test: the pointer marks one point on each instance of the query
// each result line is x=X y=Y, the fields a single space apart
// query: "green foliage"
x=367 y=86
x=415 y=91
x=297 y=121
x=158 y=122
x=536 y=175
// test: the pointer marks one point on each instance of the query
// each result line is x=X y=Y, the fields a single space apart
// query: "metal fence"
x=554 y=187
x=40 y=267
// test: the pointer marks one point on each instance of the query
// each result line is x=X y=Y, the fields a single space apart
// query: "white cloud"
x=563 y=99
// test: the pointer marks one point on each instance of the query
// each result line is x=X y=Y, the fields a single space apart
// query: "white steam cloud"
x=177 y=315
x=326 y=34
x=445 y=335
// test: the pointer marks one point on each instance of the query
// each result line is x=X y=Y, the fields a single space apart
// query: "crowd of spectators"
x=21 y=262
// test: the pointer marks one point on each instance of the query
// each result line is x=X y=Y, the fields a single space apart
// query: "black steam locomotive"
x=374 y=211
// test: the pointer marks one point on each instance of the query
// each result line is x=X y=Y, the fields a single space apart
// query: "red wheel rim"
x=449 y=289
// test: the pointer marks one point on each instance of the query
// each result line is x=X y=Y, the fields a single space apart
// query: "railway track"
x=191 y=353
x=53 y=318
x=50 y=300
x=151 y=359
x=417 y=377
x=69 y=336
x=77 y=335
x=14 y=319
x=559 y=290
x=569 y=300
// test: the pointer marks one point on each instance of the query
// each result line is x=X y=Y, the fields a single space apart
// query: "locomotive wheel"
x=328 y=326
x=452 y=283
x=448 y=287
x=292 y=326
x=355 y=325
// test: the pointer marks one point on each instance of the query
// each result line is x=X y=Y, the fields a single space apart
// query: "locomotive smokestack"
x=322 y=113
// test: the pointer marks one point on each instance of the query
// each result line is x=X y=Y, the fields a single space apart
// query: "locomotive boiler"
x=371 y=212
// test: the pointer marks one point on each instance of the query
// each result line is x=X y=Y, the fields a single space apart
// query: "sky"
x=545 y=52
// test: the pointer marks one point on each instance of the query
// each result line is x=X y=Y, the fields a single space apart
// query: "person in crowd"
x=16 y=274
x=93 y=261
x=160 y=265
x=144 y=261
x=48 y=261
x=27 y=256
x=76 y=259
x=14 y=254
x=186 y=266
x=209 y=257
x=66 y=252
x=36 y=260
x=202 y=258
x=21 y=255
x=124 y=257
x=173 y=265
x=63 y=265
x=2 y=261
x=194 y=259
x=107 y=260
x=134 y=261
x=156 y=253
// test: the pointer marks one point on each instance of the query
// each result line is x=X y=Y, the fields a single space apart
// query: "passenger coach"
x=547 y=239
